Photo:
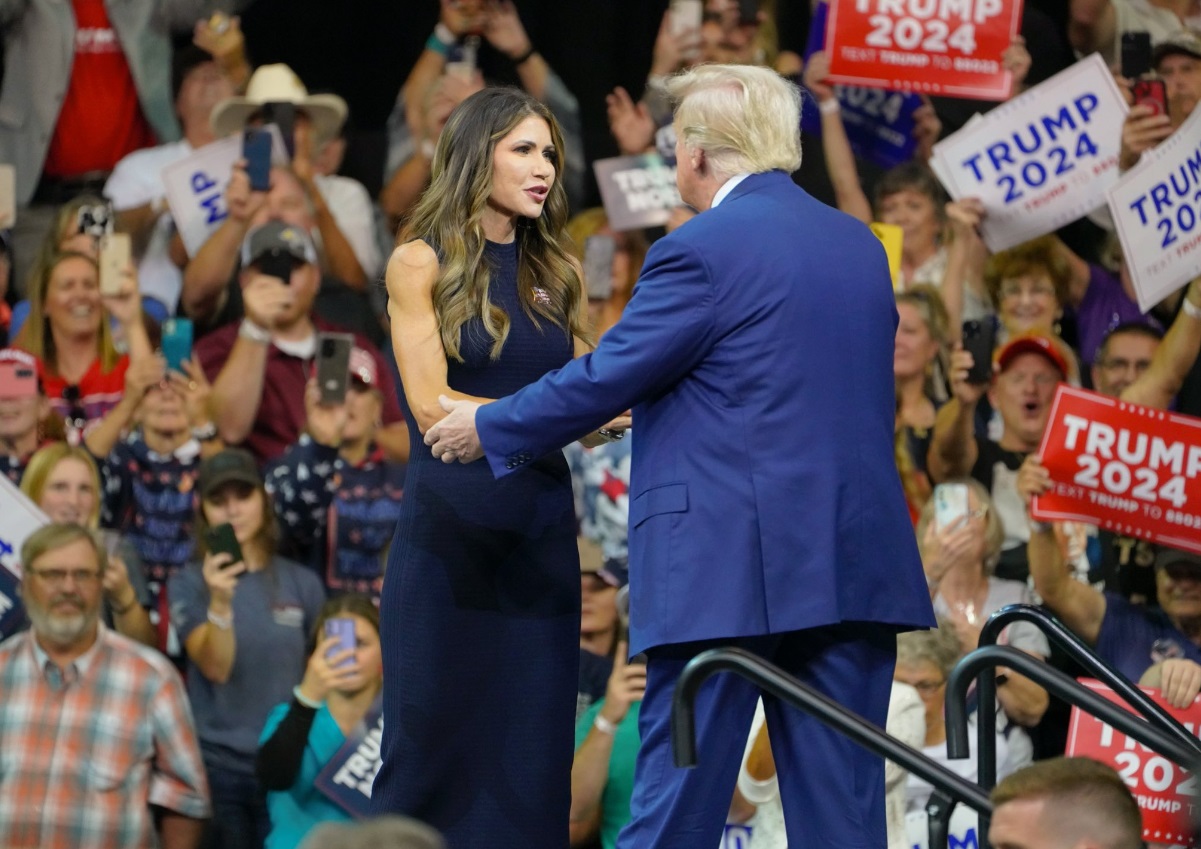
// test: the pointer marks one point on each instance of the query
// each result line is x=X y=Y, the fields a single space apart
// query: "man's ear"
x=700 y=162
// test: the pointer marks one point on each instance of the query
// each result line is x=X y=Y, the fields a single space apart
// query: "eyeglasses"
x=58 y=577
x=1016 y=290
x=926 y=688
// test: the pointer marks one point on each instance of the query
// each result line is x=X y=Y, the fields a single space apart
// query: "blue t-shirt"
x=296 y=810
x=274 y=611
x=1134 y=638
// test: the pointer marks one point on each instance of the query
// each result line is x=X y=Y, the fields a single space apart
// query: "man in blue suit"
x=765 y=509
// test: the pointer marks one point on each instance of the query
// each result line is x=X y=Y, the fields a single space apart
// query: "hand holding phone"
x=343 y=629
x=177 y=342
x=979 y=339
x=222 y=540
x=1152 y=93
x=950 y=505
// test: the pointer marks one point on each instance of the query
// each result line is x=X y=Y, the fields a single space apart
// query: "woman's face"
x=163 y=409
x=598 y=605
x=930 y=684
x=240 y=505
x=523 y=170
x=1028 y=304
x=73 y=298
x=914 y=347
x=914 y=212
x=367 y=655
x=69 y=495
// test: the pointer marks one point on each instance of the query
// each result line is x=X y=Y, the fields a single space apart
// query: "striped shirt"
x=85 y=751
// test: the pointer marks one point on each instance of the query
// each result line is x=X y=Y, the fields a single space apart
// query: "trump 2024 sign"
x=948 y=47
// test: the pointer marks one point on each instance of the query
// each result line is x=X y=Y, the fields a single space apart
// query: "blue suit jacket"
x=757 y=353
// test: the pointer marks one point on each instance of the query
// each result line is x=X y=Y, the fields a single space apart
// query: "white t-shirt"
x=136 y=181
x=351 y=207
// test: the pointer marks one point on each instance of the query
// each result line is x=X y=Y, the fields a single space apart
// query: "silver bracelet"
x=604 y=726
x=253 y=332
x=223 y=623
x=611 y=435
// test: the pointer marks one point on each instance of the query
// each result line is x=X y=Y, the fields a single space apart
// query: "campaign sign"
x=946 y=47
x=878 y=123
x=348 y=777
x=962 y=831
x=19 y=517
x=196 y=190
x=1043 y=159
x=1164 y=790
x=1126 y=468
x=1156 y=207
x=637 y=191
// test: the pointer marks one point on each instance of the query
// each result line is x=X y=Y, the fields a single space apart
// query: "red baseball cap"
x=1032 y=344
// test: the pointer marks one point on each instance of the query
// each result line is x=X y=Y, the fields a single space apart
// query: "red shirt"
x=101 y=119
x=98 y=392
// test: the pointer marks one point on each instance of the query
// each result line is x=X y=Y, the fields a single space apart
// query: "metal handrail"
x=771 y=679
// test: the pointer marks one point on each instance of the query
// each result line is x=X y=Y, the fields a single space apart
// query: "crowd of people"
x=199 y=678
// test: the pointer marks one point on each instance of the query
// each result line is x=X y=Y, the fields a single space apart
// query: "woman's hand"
x=1016 y=60
x=817 y=70
x=194 y=387
x=673 y=50
x=630 y=123
x=117 y=587
x=141 y=375
x=627 y=684
x=943 y=549
x=323 y=673
x=126 y=305
x=221 y=576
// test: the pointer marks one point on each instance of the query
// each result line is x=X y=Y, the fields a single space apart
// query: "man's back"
x=775 y=449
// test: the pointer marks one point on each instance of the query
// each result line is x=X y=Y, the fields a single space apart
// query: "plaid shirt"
x=85 y=751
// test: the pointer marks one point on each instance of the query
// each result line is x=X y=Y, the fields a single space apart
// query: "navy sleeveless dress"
x=480 y=619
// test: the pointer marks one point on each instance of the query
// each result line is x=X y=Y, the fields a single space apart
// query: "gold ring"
x=191 y=384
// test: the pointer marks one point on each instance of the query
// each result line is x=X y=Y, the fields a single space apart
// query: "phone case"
x=686 y=15
x=979 y=339
x=1153 y=93
x=177 y=342
x=1136 y=54
x=116 y=252
x=343 y=629
x=222 y=540
x=950 y=504
x=598 y=266
x=333 y=366
x=256 y=150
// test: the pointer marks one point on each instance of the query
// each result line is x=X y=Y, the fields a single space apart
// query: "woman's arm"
x=416 y=335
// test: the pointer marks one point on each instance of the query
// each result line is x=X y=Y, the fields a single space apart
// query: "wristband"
x=1190 y=308
x=205 y=432
x=223 y=623
x=444 y=35
x=610 y=435
x=305 y=700
x=249 y=330
x=525 y=57
x=604 y=726
x=829 y=107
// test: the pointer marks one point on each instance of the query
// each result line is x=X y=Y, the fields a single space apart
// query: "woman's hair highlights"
x=46 y=459
x=449 y=217
x=36 y=336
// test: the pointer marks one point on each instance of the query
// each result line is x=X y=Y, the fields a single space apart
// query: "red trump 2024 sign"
x=948 y=47
x=1129 y=469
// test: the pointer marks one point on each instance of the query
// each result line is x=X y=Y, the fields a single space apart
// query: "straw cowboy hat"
x=279 y=84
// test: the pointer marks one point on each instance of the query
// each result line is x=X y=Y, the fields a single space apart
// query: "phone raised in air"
x=333 y=366
x=1136 y=54
x=979 y=339
x=950 y=504
x=256 y=150
x=343 y=629
x=222 y=540
x=116 y=253
x=1153 y=93
x=177 y=342
x=599 y=251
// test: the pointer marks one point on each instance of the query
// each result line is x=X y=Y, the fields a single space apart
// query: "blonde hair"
x=45 y=460
x=449 y=217
x=745 y=118
x=36 y=336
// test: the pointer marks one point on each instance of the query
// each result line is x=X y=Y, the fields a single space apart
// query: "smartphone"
x=8 y=196
x=283 y=115
x=1153 y=93
x=116 y=253
x=686 y=15
x=17 y=380
x=256 y=150
x=343 y=629
x=177 y=342
x=221 y=540
x=979 y=339
x=748 y=12
x=1136 y=54
x=598 y=266
x=333 y=366
x=277 y=264
x=950 y=504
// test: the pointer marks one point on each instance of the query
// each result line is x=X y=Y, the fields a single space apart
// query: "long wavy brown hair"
x=449 y=217
x=37 y=338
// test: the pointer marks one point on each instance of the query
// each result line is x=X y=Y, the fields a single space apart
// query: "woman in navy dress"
x=481 y=600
